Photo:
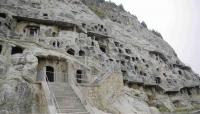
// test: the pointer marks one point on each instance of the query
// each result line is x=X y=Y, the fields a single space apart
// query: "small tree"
x=101 y=1
x=121 y=7
x=144 y=24
x=157 y=33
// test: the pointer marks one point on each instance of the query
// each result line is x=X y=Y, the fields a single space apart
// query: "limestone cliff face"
x=114 y=63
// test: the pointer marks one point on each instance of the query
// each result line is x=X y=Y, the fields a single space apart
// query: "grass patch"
x=137 y=95
x=97 y=11
x=182 y=110
x=194 y=107
x=163 y=109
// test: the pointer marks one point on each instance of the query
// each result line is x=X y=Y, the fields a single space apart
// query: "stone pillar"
x=70 y=72
x=74 y=28
x=41 y=75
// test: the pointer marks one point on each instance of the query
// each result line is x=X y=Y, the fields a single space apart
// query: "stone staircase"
x=67 y=100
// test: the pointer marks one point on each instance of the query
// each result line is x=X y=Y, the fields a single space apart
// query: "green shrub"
x=157 y=33
x=144 y=24
x=137 y=95
x=162 y=108
x=97 y=11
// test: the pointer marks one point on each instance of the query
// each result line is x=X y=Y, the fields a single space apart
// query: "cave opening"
x=0 y=48
x=81 y=53
x=54 y=34
x=128 y=51
x=103 y=49
x=158 y=80
x=49 y=74
x=33 y=31
x=71 y=51
x=188 y=91
x=16 y=50
x=3 y=15
x=180 y=73
x=79 y=76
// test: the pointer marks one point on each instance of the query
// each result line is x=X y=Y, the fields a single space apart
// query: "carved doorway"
x=49 y=74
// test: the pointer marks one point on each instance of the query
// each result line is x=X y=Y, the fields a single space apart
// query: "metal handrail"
x=51 y=95
x=77 y=90
x=48 y=97
x=89 y=61
x=60 y=73
x=82 y=96
x=100 y=78
x=103 y=76
x=54 y=98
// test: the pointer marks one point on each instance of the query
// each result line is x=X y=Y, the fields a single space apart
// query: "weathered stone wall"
x=59 y=66
x=92 y=38
x=104 y=95
x=45 y=31
x=19 y=92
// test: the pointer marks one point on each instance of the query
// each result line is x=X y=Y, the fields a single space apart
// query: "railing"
x=90 y=62
x=101 y=77
x=77 y=90
x=104 y=71
x=84 y=99
x=50 y=96
x=81 y=78
x=82 y=59
x=51 y=99
x=96 y=82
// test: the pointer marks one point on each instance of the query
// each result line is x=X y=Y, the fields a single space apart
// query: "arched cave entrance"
x=32 y=31
x=49 y=74
x=79 y=76
x=0 y=48
x=103 y=49
x=81 y=53
x=71 y=51
x=188 y=91
x=158 y=80
x=54 y=34
x=3 y=15
x=16 y=50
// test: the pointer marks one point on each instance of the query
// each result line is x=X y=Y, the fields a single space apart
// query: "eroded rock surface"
x=114 y=63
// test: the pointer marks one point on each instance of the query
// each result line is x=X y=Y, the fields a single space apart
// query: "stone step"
x=67 y=87
x=66 y=97
x=67 y=100
x=71 y=96
x=72 y=110
x=70 y=106
x=61 y=89
x=76 y=113
x=65 y=106
x=81 y=107
x=62 y=92
x=59 y=85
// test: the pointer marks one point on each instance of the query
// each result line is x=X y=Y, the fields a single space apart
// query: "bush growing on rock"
x=144 y=24
x=157 y=33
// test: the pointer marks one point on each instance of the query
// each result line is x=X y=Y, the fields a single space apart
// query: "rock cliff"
x=113 y=63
